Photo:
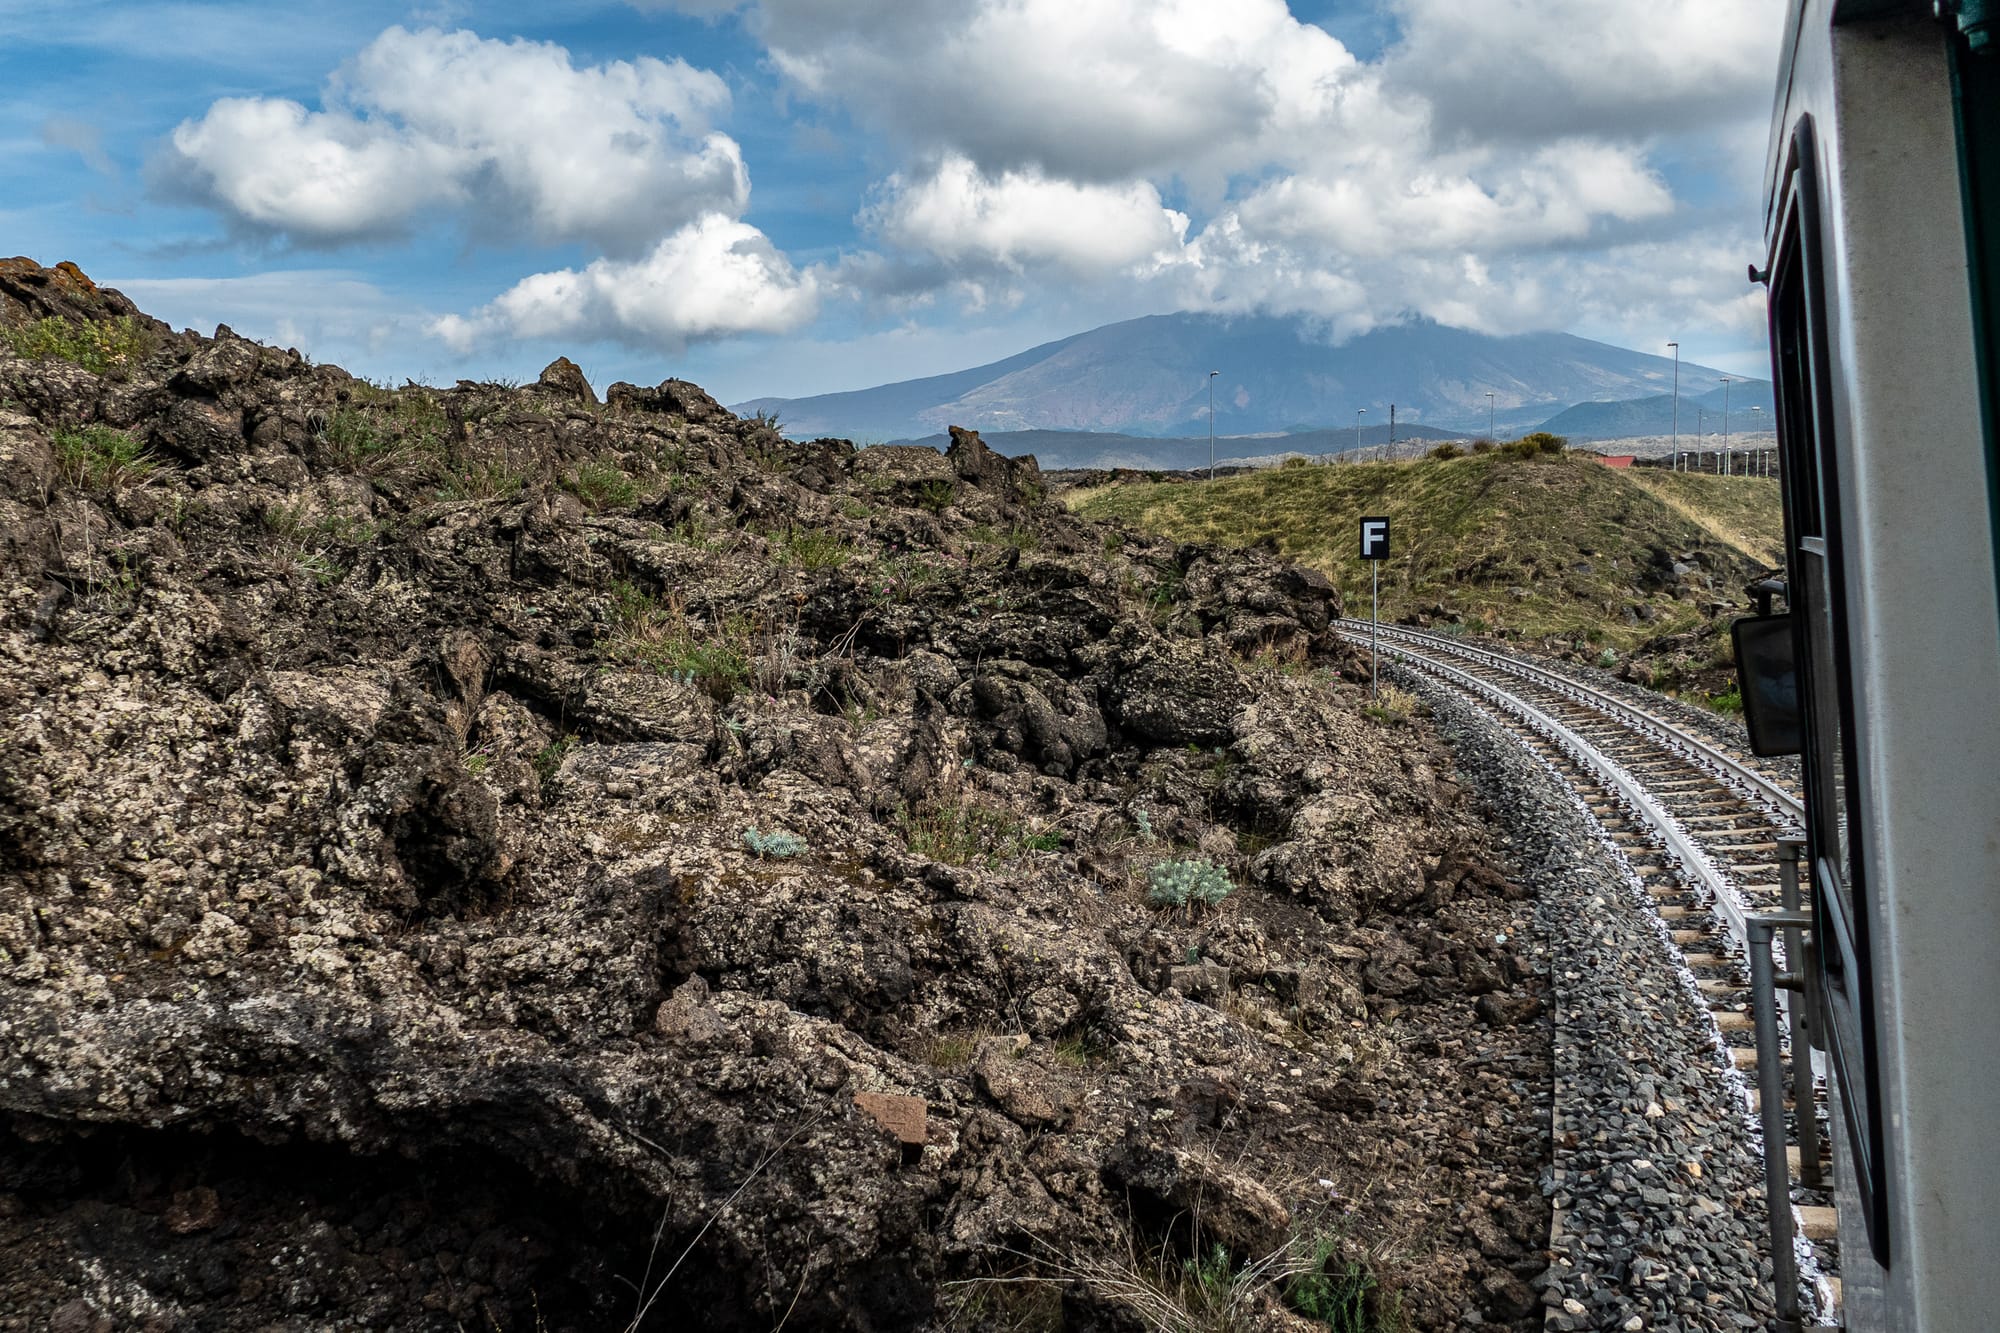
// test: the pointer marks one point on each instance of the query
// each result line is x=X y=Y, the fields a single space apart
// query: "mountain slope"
x=1084 y=448
x=1150 y=377
x=1655 y=415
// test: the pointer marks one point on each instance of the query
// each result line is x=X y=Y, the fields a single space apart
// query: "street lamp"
x=1763 y=458
x=1489 y=416
x=1359 y=413
x=1677 y=404
x=1727 y=381
x=1700 y=435
x=1211 y=423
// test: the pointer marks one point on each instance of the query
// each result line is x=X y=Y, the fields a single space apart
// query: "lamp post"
x=1763 y=458
x=1211 y=423
x=1677 y=404
x=1359 y=413
x=1726 y=382
x=1489 y=416
x=1700 y=435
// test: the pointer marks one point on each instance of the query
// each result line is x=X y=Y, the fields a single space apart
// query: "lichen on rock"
x=379 y=944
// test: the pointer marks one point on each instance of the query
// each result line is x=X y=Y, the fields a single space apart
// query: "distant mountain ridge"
x=1149 y=377
x=1655 y=415
x=1104 y=449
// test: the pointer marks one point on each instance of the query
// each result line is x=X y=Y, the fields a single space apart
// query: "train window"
x=1768 y=676
x=1810 y=477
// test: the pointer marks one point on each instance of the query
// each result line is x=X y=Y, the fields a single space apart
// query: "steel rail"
x=1751 y=930
x=1731 y=771
x=1629 y=789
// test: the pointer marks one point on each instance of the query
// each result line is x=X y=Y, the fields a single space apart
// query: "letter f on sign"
x=1374 y=539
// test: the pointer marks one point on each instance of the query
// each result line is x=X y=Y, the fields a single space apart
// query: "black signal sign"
x=1374 y=539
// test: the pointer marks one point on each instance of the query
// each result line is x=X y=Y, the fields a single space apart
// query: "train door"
x=1811 y=483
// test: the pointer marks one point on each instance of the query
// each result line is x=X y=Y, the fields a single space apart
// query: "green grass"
x=601 y=486
x=97 y=346
x=958 y=832
x=100 y=457
x=490 y=478
x=647 y=634
x=1573 y=536
x=802 y=547
x=383 y=430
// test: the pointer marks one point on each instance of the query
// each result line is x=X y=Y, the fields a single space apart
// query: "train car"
x=1882 y=273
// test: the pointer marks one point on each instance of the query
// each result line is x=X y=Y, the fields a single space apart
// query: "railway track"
x=1704 y=831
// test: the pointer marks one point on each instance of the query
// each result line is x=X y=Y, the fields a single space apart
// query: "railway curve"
x=1704 y=834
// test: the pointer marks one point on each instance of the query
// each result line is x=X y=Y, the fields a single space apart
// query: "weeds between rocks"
x=412 y=733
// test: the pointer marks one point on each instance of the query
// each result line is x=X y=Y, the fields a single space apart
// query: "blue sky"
x=786 y=196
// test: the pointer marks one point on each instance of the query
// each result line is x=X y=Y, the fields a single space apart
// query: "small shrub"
x=549 y=758
x=1143 y=822
x=1391 y=706
x=936 y=496
x=1337 y=1296
x=646 y=634
x=601 y=486
x=1483 y=446
x=98 y=456
x=1296 y=460
x=1186 y=883
x=1608 y=658
x=1048 y=840
x=1730 y=701
x=773 y=846
x=959 y=833
x=97 y=346
x=1538 y=445
x=483 y=479
x=811 y=548
x=352 y=440
x=1445 y=452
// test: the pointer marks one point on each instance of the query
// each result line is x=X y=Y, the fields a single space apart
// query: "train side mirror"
x=1769 y=679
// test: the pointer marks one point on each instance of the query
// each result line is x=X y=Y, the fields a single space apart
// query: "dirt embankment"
x=491 y=858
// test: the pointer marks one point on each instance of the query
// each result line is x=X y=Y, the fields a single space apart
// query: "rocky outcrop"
x=472 y=857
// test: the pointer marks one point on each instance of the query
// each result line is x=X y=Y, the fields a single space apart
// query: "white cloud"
x=1525 y=69
x=1467 y=174
x=1015 y=219
x=712 y=278
x=511 y=133
x=1092 y=92
x=1556 y=193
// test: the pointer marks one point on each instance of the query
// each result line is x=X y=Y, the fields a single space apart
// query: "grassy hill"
x=1551 y=547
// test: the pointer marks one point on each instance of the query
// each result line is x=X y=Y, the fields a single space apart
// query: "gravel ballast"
x=1656 y=1188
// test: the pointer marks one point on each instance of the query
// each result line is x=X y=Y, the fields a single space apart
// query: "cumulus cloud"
x=1091 y=92
x=1527 y=69
x=1014 y=219
x=711 y=278
x=1457 y=175
x=511 y=134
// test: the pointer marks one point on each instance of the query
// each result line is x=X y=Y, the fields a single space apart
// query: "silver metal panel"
x=1922 y=602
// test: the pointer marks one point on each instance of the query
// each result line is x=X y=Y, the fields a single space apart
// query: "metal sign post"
x=1374 y=549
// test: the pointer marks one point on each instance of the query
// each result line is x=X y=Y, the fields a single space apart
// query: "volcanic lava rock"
x=462 y=852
